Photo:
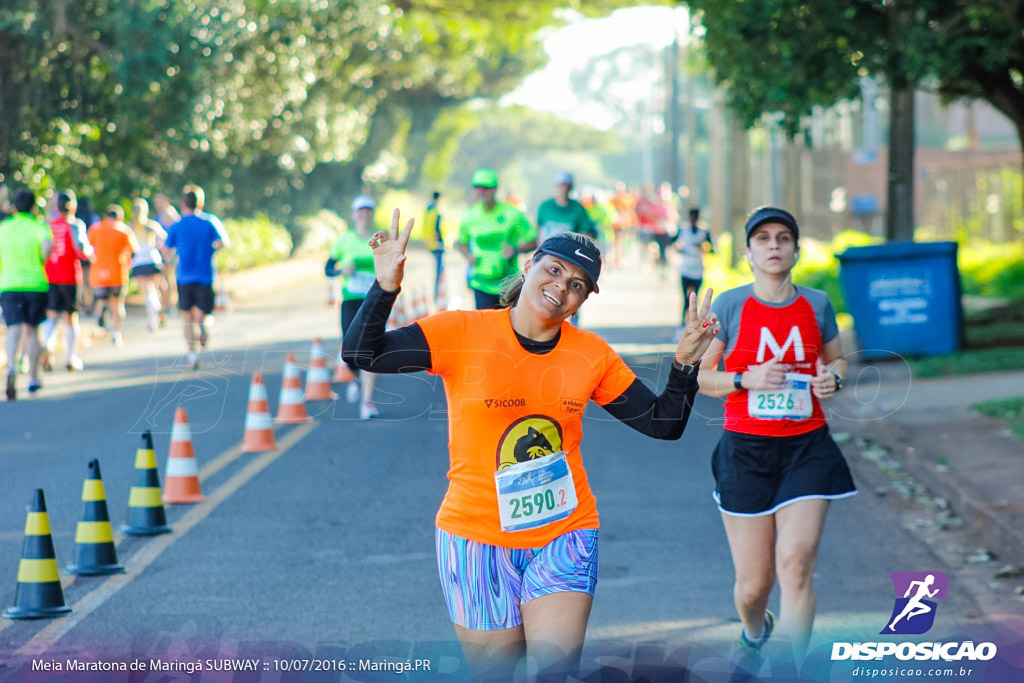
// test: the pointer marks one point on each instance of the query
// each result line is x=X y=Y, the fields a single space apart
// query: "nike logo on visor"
x=582 y=255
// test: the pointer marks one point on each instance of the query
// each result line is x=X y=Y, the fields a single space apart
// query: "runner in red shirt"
x=776 y=466
x=64 y=273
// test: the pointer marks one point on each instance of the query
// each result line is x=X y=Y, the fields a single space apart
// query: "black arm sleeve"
x=661 y=417
x=369 y=347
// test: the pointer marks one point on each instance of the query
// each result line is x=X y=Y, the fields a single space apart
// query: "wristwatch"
x=737 y=381
x=839 y=380
x=687 y=368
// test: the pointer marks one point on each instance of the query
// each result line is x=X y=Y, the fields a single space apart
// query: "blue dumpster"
x=904 y=297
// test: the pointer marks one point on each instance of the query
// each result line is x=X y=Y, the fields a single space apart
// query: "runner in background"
x=603 y=217
x=352 y=258
x=194 y=240
x=166 y=215
x=651 y=217
x=64 y=273
x=562 y=213
x=624 y=206
x=776 y=466
x=147 y=263
x=113 y=245
x=25 y=244
x=691 y=241
x=433 y=238
x=86 y=301
x=517 y=532
x=491 y=235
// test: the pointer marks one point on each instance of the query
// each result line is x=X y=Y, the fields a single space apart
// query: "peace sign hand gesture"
x=701 y=328
x=389 y=253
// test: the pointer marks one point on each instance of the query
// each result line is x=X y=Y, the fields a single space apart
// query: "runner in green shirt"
x=561 y=213
x=352 y=258
x=491 y=234
x=25 y=244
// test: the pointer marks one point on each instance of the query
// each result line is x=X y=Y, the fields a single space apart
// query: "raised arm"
x=367 y=343
x=665 y=416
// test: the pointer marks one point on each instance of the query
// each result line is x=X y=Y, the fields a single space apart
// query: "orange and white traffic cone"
x=181 y=480
x=259 y=426
x=342 y=373
x=318 y=378
x=291 y=408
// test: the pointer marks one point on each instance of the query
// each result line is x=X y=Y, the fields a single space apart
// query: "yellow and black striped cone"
x=146 y=514
x=95 y=553
x=39 y=594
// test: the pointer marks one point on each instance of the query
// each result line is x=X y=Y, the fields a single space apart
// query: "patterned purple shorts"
x=485 y=584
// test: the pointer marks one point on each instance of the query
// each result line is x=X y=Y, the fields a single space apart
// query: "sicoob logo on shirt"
x=914 y=612
x=531 y=437
x=504 y=402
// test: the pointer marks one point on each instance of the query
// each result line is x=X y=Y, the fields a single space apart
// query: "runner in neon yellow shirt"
x=25 y=244
x=352 y=257
x=491 y=235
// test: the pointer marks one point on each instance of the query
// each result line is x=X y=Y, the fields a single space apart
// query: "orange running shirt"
x=113 y=244
x=507 y=405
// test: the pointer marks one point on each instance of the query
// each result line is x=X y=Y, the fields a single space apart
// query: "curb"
x=981 y=518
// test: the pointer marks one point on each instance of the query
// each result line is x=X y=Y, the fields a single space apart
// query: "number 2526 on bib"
x=535 y=493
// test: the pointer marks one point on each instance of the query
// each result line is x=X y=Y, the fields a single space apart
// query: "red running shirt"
x=766 y=332
x=64 y=267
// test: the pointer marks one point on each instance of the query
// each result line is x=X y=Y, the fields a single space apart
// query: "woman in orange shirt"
x=517 y=532
x=113 y=245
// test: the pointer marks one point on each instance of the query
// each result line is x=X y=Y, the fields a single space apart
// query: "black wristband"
x=737 y=380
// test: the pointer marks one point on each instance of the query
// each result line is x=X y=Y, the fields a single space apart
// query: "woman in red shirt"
x=776 y=466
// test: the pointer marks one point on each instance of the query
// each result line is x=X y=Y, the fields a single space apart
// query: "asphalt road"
x=324 y=548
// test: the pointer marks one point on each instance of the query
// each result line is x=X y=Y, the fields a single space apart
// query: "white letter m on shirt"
x=768 y=342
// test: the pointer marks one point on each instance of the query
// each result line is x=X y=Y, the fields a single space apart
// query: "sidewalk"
x=970 y=460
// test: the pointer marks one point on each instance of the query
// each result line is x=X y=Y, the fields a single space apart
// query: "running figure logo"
x=914 y=612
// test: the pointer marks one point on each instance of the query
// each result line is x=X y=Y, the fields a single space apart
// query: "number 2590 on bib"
x=535 y=493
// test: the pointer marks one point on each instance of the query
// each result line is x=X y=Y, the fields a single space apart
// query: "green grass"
x=995 y=341
x=1011 y=409
x=998 y=326
x=968 y=362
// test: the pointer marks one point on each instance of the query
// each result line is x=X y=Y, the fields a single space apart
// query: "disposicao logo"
x=913 y=614
x=916 y=592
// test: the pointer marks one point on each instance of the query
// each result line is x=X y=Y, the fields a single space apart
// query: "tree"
x=497 y=137
x=275 y=106
x=786 y=56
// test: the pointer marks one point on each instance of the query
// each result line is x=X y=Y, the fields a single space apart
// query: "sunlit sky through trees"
x=573 y=46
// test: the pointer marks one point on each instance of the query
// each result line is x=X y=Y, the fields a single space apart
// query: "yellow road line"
x=49 y=636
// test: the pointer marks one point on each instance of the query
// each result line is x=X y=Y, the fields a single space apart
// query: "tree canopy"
x=788 y=56
x=281 y=106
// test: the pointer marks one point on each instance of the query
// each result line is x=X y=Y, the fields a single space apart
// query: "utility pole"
x=692 y=181
x=672 y=110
